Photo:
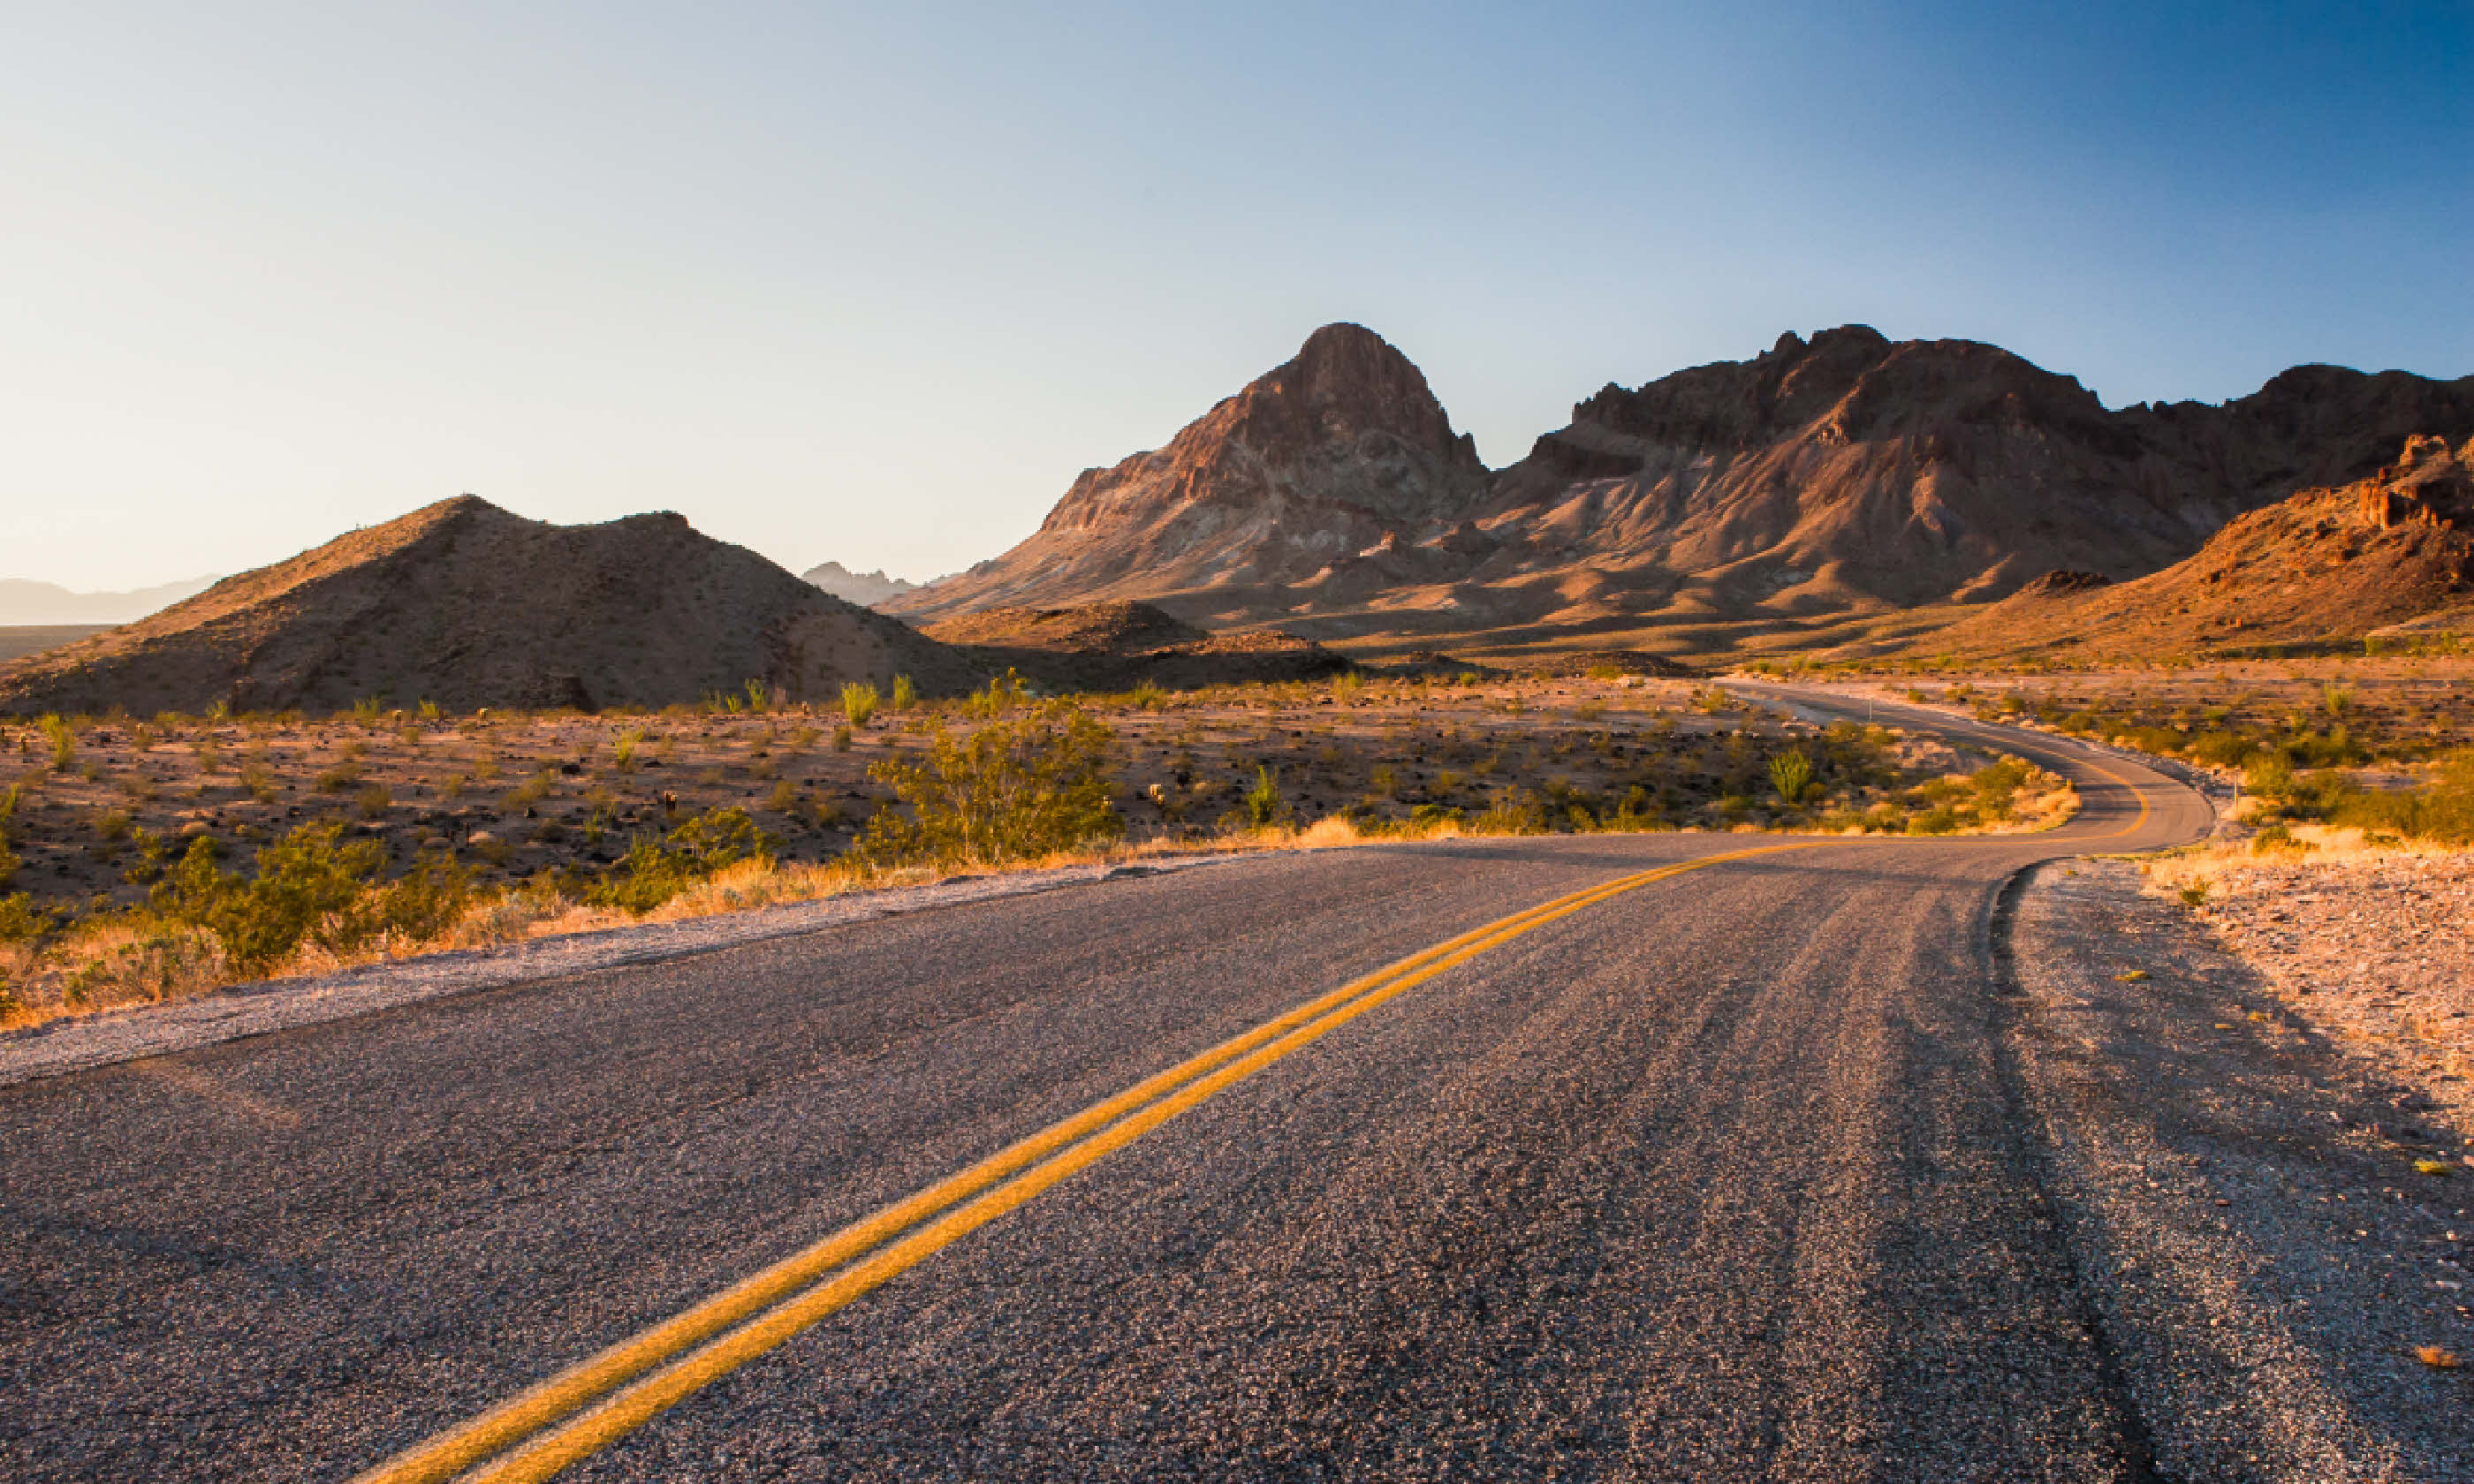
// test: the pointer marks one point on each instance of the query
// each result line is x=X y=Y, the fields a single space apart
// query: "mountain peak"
x=1314 y=460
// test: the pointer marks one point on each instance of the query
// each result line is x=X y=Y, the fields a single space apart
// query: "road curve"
x=1718 y=1176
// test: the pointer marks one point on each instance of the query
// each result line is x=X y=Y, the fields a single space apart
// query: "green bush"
x=309 y=886
x=1511 y=811
x=1789 y=772
x=905 y=693
x=2441 y=811
x=64 y=739
x=1263 y=801
x=653 y=872
x=859 y=702
x=1014 y=789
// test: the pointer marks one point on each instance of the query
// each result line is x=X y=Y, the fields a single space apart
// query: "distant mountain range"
x=865 y=588
x=26 y=603
x=1791 y=498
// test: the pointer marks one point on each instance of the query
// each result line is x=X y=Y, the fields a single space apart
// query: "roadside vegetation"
x=150 y=859
x=2393 y=759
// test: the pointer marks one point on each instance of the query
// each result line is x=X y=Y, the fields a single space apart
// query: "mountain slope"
x=2324 y=566
x=465 y=604
x=1322 y=456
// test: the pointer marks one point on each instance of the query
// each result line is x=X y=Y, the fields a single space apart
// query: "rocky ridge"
x=465 y=604
x=2326 y=565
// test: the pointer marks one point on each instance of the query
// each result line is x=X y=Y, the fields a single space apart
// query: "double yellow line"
x=600 y=1399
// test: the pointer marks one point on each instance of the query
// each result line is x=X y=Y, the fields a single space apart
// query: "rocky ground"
x=2373 y=945
x=2269 y=1216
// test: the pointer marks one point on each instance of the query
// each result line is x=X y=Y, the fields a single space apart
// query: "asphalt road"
x=1718 y=1178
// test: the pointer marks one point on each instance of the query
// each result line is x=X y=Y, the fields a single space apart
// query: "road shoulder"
x=58 y=1048
x=2241 y=1198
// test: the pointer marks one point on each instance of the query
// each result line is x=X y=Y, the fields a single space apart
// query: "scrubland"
x=147 y=860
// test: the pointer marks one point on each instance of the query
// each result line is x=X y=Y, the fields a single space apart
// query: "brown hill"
x=465 y=604
x=1317 y=458
x=1118 y=646
x=2327 y=566
x=1819 y=487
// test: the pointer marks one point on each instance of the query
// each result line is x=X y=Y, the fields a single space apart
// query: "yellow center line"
x=592 y=1403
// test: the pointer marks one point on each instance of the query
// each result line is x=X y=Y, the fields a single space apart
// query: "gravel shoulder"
x=2239 y=1194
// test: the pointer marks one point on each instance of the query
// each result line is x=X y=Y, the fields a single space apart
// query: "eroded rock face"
x=2321 y=565
x=1317 y=458
x=2429 y=486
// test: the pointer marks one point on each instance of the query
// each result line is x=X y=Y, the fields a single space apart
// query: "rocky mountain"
x=1337 y=450
x=465 y=604
x=25 y=603
x=2326 y=565
x=1822 y=486
x=865 y=588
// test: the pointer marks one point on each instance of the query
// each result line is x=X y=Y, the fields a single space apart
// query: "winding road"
x=1654 y=1157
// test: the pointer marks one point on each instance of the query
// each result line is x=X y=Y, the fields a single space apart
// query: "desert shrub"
x=2221 y=749
x=622 y=753
x=530 y=792
x=1939 y=819
x=905 y=693
x=759 y=696
x=1014 y=789
x=62 y=738
x=653 y=872
x=1789 y=772
x=859 y=702
x=2441 y=811
x=1996 y=787
x=340 y=778
x=1511 y=811
x=1146 y=696
x=1004 y=693
x=374 y=802
x=2271 y=775
x=1264 y=804
x=20 y=920
x=1348 y=687
x=309 y=886
x=785 y=799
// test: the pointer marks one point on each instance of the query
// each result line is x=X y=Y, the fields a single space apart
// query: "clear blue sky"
x=873 y=284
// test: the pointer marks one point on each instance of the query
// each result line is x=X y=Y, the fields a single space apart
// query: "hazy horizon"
x=867 y=288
